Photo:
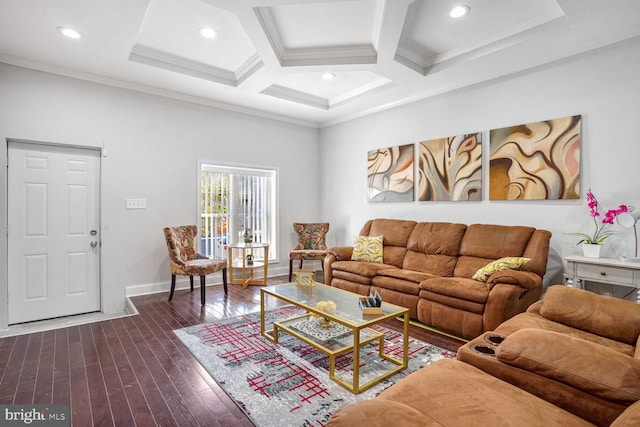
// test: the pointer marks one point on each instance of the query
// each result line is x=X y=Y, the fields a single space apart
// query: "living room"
x=151 y=143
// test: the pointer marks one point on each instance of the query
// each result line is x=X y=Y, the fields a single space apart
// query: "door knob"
x=94 y=244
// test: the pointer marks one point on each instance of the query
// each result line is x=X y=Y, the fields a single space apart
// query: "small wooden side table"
x=602 y=270
x=237 y=257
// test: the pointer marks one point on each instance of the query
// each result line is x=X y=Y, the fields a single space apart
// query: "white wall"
x=153 y=145
x=603 y=86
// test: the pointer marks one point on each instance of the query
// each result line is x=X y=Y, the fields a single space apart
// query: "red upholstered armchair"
x=186 y=261
x=311 y=243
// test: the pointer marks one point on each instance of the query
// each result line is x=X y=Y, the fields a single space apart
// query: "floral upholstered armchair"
x=311 y=243
x=186 y=261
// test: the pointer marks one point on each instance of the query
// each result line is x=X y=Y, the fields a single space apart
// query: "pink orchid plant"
x=600 y=234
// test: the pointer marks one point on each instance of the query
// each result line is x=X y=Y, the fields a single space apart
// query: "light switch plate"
x=136 y=203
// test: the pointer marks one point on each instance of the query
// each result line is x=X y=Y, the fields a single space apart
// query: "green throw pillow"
x=507 y=263
x=368 y=249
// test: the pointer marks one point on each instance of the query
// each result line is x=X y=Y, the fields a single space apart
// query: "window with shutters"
x=235 y=201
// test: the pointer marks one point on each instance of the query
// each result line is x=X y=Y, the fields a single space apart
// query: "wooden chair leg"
x=202 y=290
x=173 y=286
x=290 y=268
x=300 y=263
x=224 y=280
x=191 y=280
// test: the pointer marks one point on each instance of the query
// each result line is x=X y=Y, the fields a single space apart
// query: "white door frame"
x=4 y=253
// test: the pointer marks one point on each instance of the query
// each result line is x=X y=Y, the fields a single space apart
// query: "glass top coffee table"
x=345 y=330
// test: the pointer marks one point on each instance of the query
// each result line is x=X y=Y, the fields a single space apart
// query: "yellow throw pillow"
x=507 y=263
x=368 y=249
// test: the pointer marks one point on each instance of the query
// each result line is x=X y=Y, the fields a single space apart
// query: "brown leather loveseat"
x=575 y=349
x=571 y=360
x=428 y=268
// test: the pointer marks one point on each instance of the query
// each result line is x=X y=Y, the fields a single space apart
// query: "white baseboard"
x=129 y=307
x=182 y=282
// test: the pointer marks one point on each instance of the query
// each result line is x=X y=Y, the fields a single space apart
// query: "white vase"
x=591 y=250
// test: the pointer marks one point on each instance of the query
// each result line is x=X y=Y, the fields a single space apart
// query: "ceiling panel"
x=269 y=55
x=343 y=83
x=172 y=26
x=311 y=25
x=430 y=35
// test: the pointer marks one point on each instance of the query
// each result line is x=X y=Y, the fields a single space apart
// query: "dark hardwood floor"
x=134 y=371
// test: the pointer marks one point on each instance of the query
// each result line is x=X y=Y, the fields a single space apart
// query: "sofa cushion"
x=584 y=365
x=378 y=412
x=457 y=287
x=438 y=265
x=433 y=247
x=495 y=241
x=483 y=243
x=446 y=302
x=368 y=249
x=351 y=286
x=534 y=320
x=402 y=274
x=457 y=394
x=396 y=232
x=358 y=271
x=506 y=263
x=610 y=317
x=630 y=417
x=398 y=285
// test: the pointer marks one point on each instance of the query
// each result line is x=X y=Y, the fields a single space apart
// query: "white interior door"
x=53 y=231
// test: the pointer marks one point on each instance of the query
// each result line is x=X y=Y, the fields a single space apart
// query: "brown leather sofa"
x=428 y=268
x=570 y=360
x=575 y=349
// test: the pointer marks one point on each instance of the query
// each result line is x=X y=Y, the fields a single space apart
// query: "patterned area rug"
x=287 y=384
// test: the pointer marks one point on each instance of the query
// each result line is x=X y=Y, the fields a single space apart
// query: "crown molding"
x=297 y=96
x=249 y=68
x=329 y=55
x=380 y=84
x=166 y=61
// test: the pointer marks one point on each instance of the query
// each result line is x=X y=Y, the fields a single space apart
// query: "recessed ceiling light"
x=68 y=32
x=328 y=76
x=458 y=11
x=208 y=33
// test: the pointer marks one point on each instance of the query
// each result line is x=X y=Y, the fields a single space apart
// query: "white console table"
x=602 y=270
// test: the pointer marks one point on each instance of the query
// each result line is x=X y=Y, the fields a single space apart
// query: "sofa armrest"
x=336 y=253
x=584 y=365
x=342 y=253
x=524 y=279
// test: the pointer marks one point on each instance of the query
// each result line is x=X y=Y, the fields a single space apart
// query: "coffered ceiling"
x=269 y=56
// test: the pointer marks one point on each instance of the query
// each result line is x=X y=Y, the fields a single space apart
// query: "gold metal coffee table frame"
x=348 y=314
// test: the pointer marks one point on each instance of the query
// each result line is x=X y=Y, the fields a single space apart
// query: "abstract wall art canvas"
x=450 y=168
x=390 y=174
x=536 y=161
